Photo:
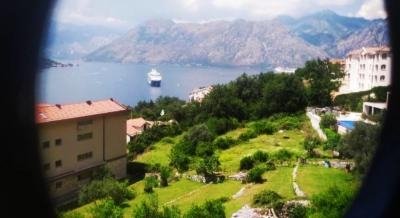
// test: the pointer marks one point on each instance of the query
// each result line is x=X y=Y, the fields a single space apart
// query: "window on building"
x=59 y=184
x=58 y=163
x=383 y=67
x=84 y=156
x=46 y=166
x=376 y=67
x=58 y=141
x=46 y=144
x=382 y=78
x=384 y=56
x=84 y=136
x=84 y=123
x=376 y=78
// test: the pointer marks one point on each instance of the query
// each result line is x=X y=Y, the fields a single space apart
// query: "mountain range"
x=281 y=42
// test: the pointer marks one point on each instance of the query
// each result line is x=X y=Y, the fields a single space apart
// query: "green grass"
x=230 y=158
x=315 y=179
x=185 y=193
x=278 y=180
x=159 y=153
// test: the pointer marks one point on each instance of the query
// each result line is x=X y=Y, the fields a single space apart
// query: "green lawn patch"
x=279 y=180
x=159 y=153
x=290 y=140
x=315 y=179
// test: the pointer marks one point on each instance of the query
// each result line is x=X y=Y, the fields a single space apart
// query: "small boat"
x=154 y=78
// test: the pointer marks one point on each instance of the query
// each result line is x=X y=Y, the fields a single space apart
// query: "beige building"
x=366 y=68
x=76 y=139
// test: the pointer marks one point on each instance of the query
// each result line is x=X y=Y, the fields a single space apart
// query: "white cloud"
x=82 y=12
x=372 y=9
x=192 y=5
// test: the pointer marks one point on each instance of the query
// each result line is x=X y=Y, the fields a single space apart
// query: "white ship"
x=154 y=78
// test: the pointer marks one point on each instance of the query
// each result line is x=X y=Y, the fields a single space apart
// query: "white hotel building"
x=366 y=68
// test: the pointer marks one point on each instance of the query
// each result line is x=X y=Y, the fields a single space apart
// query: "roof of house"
x=46 y=113
x=370 y=50
x=133 y=126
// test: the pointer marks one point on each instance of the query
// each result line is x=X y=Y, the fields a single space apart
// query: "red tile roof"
x=135 y=126
x=46 y=113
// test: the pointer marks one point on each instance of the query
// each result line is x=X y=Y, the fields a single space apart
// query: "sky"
x=128 y=13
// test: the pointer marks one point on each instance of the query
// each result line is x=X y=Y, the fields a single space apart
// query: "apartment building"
x=366 y=68
x=77 y=139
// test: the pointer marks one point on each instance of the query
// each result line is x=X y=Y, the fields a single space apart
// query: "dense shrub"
x=224 y=142
x=353 y=101
x=310 y=143
x=246 y=163
x=152 y=135
x=150 y=209
x=267 y=198
x=106 y=209
x=221 y=125
x=293 y=210
x=249 y=134
x=210 y=209
x=260 y=156
x=264 y=127
x=361 y=144
x=205 y=149
x=255 y=174
x=284 y=121
x=99 y=189
x=333 y=139
x=331 y=203
x=270 y=166
x=150 y=183
x=283 y=155
x=328 y=121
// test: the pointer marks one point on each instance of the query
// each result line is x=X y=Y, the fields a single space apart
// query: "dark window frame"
x=84 y=136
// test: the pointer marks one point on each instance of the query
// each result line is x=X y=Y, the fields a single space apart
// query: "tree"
x=361 y=144
x=333 y=139
x=109 y=187
x=221 y=102
x=283 y=93
x=106 y=209
x=310 y=143
x=149 y=183
x=178 y=159
x=165 y=173
x=195 y=136
x=207 y=166
x=328 y=121
x=322 y=78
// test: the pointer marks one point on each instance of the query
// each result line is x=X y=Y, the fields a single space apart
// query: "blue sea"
x=127 y=83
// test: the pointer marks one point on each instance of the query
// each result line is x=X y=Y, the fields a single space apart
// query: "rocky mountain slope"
x=283 y=41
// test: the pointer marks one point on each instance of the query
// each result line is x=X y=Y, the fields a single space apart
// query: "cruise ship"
x=154 y=78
